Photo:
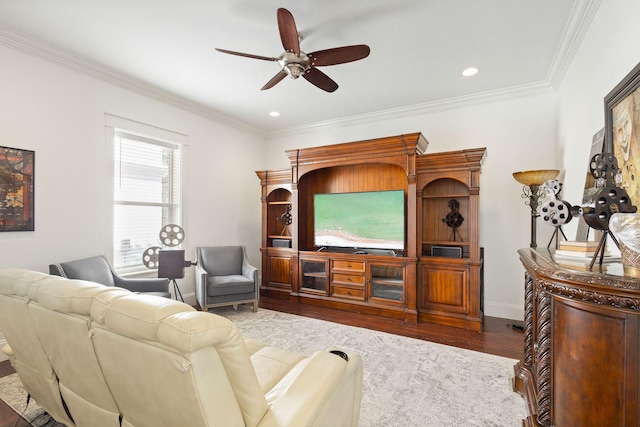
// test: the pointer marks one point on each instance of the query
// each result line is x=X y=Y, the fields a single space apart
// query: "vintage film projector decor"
x=610 y=199
x=286 y=219
x=170 y=263
x=555 y=211
x=454 y=219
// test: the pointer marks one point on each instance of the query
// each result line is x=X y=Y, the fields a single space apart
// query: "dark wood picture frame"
x=17 y=169
x=622 y=131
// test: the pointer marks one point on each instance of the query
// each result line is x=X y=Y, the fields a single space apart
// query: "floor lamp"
x=171 y=266
x=532 y=182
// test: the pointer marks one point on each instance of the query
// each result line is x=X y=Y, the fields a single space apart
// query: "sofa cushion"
x=272 y=364
x=229 y=285
x=68 y=296
x=138 y=316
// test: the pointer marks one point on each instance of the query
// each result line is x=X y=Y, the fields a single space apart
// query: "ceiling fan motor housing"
x=294 y=65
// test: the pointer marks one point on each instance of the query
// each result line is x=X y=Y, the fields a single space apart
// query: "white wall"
x=60 y=114
x=519 y=134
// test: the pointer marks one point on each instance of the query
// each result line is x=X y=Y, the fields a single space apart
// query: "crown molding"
x=71 y=61
x=577 y=27
x=421 y=109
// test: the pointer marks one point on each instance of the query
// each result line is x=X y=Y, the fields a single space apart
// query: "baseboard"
x=504 y=311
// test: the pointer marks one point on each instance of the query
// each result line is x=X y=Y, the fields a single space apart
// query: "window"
x=146 y=195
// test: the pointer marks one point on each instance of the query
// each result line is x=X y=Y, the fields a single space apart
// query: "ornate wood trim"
x=528 y=321
x=543 y=358
x=600 y=298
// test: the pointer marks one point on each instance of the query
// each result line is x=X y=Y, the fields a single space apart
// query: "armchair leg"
x=235 y=307
x=205 y=309
x=255 y=306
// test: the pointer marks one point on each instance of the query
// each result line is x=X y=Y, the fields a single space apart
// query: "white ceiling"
x=419 y=48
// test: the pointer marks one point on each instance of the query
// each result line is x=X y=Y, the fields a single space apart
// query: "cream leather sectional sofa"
x=100 y=356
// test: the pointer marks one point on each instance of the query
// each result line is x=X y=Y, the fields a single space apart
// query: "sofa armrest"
x=6 y=349
x=323 y=390
x=201 y=285
x=249 y=271
x=56 y=270
x=201 y=276
x=142 y=285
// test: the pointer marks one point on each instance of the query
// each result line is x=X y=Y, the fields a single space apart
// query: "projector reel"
x=609 y=201
x=171 y=235
x=150 y=257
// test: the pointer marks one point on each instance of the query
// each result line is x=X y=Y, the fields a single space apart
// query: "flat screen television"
x=371 y=219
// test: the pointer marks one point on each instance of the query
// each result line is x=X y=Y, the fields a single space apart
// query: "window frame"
x=118 y=126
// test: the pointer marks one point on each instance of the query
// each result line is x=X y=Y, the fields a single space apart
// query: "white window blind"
x=147 y=183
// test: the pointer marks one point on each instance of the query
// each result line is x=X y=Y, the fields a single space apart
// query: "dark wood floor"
x=498 y=337
x=8 y=418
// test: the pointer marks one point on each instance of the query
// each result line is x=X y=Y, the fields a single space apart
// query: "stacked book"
x=574 y=252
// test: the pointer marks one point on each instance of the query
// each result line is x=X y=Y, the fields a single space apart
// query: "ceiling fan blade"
x=339 y=55
x=247 y=55
x=274 y=80
x=288 y=31
x=320 y=79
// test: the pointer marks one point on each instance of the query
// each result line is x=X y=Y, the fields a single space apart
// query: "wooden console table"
x=581 y=344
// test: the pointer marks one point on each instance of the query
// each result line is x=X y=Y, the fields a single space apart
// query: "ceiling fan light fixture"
x=294 y=70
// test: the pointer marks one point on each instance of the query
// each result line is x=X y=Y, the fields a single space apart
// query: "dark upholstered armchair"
x=97 y=269
x=224 y=277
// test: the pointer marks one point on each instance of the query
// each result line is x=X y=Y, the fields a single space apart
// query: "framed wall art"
x=16 y=189
x=622 y=125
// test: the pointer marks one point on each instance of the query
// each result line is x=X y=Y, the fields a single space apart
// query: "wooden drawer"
x=348 y=265
x=351 y=279
x=347 y=292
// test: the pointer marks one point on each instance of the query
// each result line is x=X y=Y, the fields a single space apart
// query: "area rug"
x=407 y=382
x=12 y=393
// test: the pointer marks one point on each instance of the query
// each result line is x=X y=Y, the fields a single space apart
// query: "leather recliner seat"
x=159 y=362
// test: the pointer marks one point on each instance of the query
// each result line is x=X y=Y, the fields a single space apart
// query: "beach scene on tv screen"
x=360 y=220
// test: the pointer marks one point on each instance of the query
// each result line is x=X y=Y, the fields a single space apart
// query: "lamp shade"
x=535 y=177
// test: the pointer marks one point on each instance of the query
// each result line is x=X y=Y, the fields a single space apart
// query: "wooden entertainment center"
x=436 y=277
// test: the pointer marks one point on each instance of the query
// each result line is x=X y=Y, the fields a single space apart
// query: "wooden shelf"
x=323 y=275
x=387 y=282
x=445 y=243
x=444 y=196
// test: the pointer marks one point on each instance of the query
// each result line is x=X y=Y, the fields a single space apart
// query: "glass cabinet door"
x=387 y=282
x=314 y=275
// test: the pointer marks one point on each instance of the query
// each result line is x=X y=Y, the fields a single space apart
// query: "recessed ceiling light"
x=274 y=114
x=470 y=72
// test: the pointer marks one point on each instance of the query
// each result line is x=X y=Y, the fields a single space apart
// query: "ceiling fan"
x=296 y=63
